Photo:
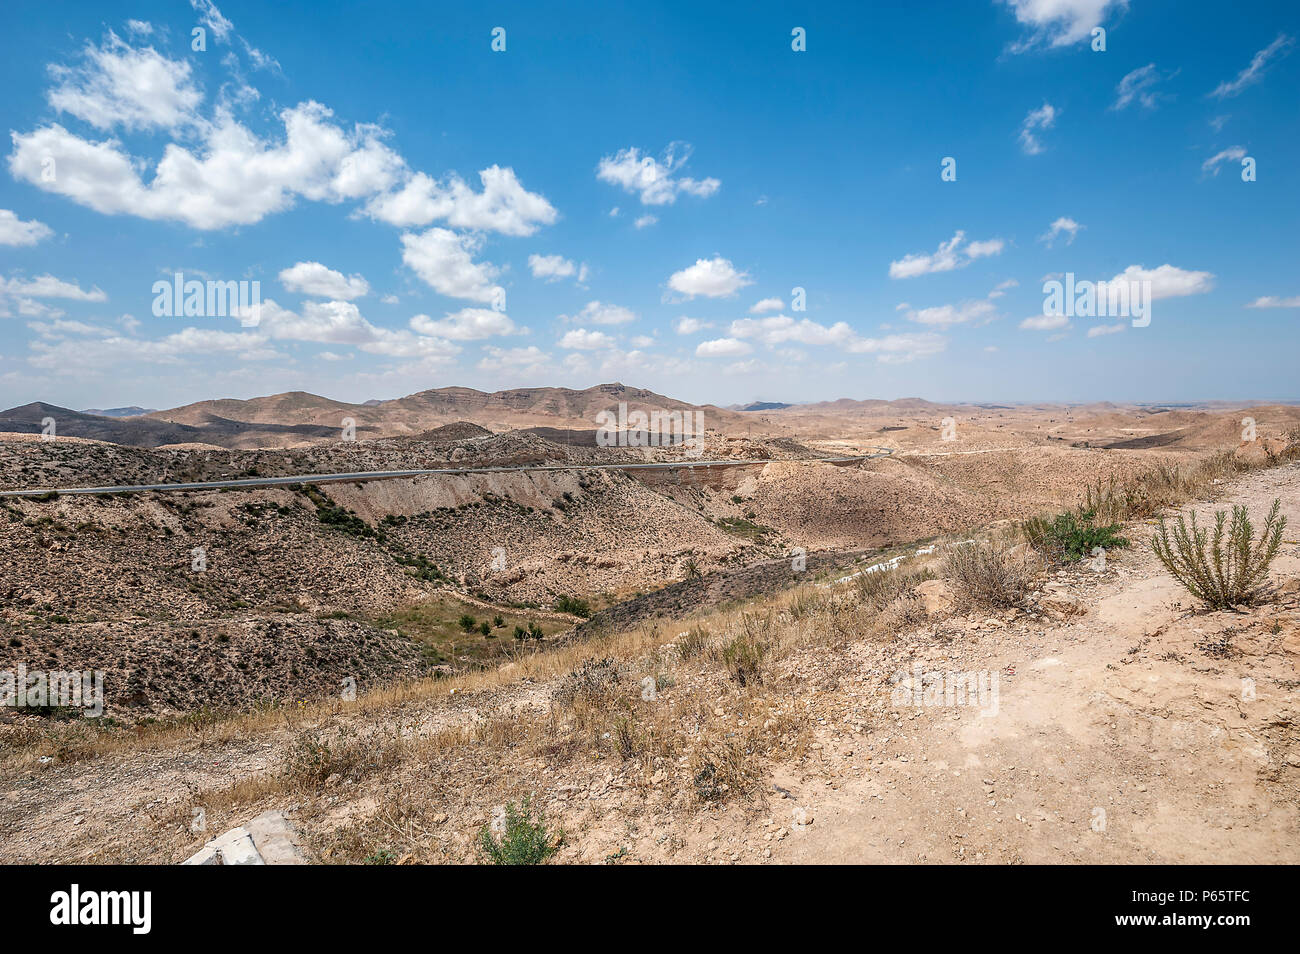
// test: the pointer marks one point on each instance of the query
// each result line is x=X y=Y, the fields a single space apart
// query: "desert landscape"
x=648 y=434
x=699 y=662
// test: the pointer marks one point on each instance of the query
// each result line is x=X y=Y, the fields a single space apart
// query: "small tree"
x=1222 y=574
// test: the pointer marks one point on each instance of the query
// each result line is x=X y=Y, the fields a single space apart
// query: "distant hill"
x=132 y=411
x=765 y=406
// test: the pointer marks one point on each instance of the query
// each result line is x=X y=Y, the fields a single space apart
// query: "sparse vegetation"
x=523 y=840
x=572 y=605
x=990 y=574
x=1221 y=573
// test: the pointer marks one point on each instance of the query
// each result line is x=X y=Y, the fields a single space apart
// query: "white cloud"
x=1002 y=287
x=82 y=355
x=551 y=268
x=1045 y=322
x=949 y=255
x=341 y=322
x=766 y=304
x=653 y=179
x=468 y=324
x=1096 y=331
x=945 y=316
x=645 y=221
x=1062 y=225
x=1231 y=154
x=313 y=278
x=1037 y=119
x=503 y=206
x=120 y=85
x=234 y=179
x=211 y=18
x=15 y=231
x=642 y=341
x=711 y=277
x=583 y=340
x=1272 y=301
x=530 y=360
x=781 y=329
x=1168 y=281
x=1060 y=22
x=47 y=286
x=689 y=326
x=600 y=313
x=722 y=348
x=1139 y=85
x=1255 y=71
x=445 y=262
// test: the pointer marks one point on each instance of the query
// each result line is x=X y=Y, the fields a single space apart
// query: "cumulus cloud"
x=722 y=348
x=778 y=330
x=468 y=324
x=313 y=278
x=444 y=260
x=1254 y=72
x=709 y=277
x=15 y=231
x=601 y=313
x=654 y=181
x=1045 y=322
x=945 y=316
x=530 y=360
x=1096 y=331
x=341 y=322
x=552 y=268
x=503 y=205
x=645 y=221
x=766 y=304
x=1062 y=226
x=1272 y=301
x=47 y=286
x=952 y=254
x=1168 y=281
x=583 y=340
x=82 y=354
x=117 y=84
x=1060 y=22
x=689 y=326
x=235 y=178
x=1042 y=118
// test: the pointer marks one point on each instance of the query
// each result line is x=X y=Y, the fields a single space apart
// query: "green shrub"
x=573 y=605
x=467 y=622
x=1222 y=575
x=1071 y=536
x=524 y=839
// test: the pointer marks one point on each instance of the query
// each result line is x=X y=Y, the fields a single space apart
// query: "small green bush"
x=524 y=840
x=573 y=605
x=1222 y=575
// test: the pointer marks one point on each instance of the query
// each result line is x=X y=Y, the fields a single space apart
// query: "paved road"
x=248 y=482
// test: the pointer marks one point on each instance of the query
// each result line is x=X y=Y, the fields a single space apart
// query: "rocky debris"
x=269 y=839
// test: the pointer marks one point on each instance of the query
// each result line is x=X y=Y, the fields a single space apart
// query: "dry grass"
x=991 y=574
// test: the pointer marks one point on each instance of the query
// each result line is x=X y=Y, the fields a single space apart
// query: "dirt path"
x=1129 y=735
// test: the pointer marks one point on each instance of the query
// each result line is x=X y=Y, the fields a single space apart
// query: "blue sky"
x=633 y=191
